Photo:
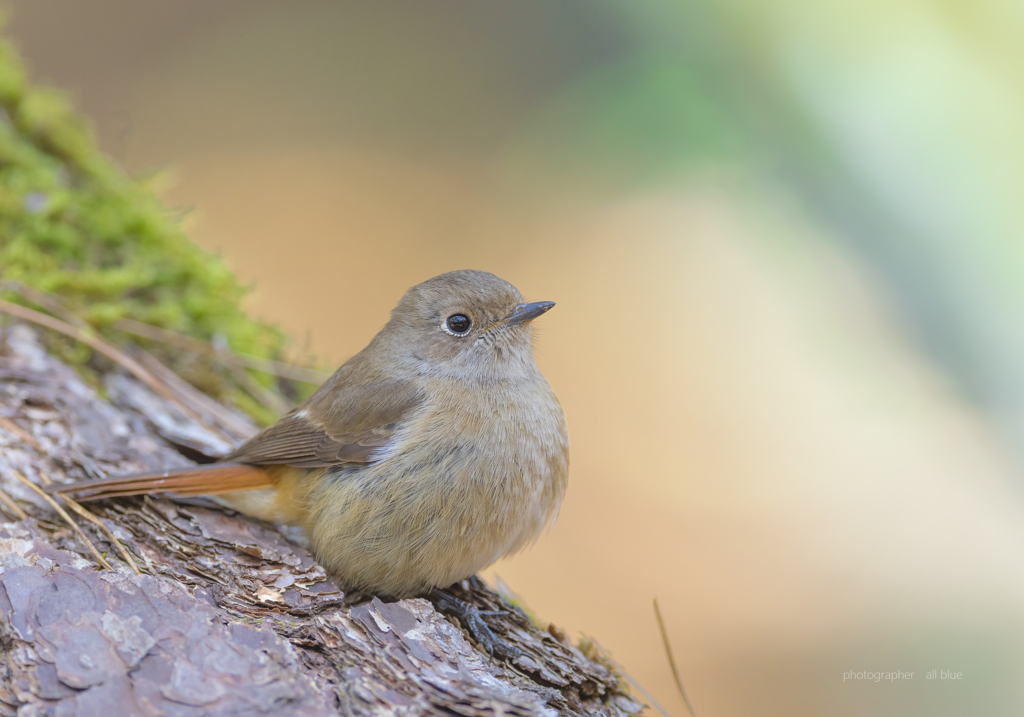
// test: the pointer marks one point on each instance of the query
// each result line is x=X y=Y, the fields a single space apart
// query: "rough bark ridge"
x=228 y=616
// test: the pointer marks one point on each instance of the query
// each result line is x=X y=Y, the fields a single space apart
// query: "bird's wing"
x=345 y=426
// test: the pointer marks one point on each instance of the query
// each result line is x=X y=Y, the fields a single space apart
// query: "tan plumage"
x=426 y=457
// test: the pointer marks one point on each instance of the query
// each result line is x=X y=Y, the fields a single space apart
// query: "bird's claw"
x=471 y=617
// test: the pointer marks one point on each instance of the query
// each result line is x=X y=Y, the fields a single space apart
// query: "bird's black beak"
x=526 y=312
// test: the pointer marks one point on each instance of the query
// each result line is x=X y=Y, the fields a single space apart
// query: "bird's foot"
x=471 y=617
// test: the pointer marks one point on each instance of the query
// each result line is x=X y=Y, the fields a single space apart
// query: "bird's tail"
x=213 y=479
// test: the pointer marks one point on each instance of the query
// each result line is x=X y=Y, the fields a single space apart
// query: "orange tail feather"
x=204 y=480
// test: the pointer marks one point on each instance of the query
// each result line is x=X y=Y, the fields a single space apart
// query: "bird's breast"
x=509 y=439
x=465 y=481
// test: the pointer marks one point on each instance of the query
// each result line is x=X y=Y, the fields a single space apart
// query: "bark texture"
x=229 y=615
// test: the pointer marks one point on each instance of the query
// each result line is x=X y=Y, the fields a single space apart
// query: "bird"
x=426 y=457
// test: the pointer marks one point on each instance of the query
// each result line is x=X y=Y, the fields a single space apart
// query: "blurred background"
x=786 y=239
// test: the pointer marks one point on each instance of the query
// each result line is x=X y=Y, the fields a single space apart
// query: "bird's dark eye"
x=458 y=324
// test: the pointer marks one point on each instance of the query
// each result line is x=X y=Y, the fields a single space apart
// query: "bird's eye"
x=458 y=324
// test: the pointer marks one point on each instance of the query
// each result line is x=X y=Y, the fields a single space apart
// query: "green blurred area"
x=899 y=127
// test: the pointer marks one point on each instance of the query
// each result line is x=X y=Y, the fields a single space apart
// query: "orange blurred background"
x=784 y=239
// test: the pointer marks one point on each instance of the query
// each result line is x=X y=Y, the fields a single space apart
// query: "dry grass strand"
x=12 y=507
x=187 y=343
x=109 y=533
x=67 y=518
x=107 y=349
x=14 y=429
x=671 y=660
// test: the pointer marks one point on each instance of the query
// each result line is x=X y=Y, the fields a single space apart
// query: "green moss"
x=74 y=225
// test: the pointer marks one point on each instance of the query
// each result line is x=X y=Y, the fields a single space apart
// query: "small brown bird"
x=431 y=453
